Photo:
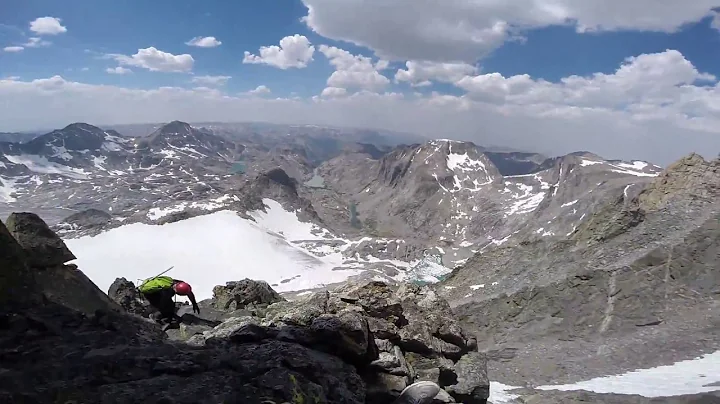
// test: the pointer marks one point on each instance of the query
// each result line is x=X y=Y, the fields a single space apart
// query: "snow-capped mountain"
x=454 y=195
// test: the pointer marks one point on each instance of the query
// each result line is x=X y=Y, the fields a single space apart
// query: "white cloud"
x=354 y=71
x=331 y=92
x=118 y=70
x=465 y=31
x=259 y=90
x=12 y=78
x=35 y=42
x=655 y=107
x=47 y=26
x=204 y=42
x=84 y=69
x=421 y=73
x=157 y=61
x=211 y=80
x=12 y=49
x=294 y=51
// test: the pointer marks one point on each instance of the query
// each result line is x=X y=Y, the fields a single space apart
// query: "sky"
x=624 y=79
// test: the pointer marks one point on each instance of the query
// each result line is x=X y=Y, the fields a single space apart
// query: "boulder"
x=244 y=293
x=88 y=218
x=43 y=248
x=124 y=293
x=17 y=284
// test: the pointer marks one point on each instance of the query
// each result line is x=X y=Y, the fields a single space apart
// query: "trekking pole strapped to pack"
x=156 y=283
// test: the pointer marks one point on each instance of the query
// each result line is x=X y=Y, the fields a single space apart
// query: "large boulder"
x=124 y=293
x=42 y=246
x=16 y=280
x=244 y=294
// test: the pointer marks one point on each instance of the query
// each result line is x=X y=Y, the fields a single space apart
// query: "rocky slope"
x=361 y=344
x=455 y=195
x=635 y=285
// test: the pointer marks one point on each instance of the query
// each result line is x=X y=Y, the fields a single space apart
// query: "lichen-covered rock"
x=244 y=293
x=43 y=248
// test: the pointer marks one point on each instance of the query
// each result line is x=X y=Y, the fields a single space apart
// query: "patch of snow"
x=7 y=189
x=499 y=393
x=569 y=203
x=636 y=165
x=636 y=173
x=206 y=251
x=463 y=162
x=111 y=146
x=585 y=163
x=693 y=376
x=62 y=153
x=476 y=287
x=40 y=164
x=626 y=189
x=280 y=221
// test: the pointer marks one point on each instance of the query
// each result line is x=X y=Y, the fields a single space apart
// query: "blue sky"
x=476 y=60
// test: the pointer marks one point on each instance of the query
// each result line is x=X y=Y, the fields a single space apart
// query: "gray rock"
x=473 y=386
x=124 y=293
x=240 y=294
x=42 y=246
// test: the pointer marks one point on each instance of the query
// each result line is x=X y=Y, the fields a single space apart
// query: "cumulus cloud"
x=354 y=71
x=118 y=70
x=330 y=92
x=259 y=90
x=47 y=26
x=13 y=49
x=204 y=42
x=656 y=107
x=294 y=51
x=419 y=73
x=464 y=31
x=156 y=60
x=211 y=80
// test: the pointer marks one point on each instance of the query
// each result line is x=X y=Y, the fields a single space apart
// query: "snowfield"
x=206 y=251
x=213 y=249
x=692 y=376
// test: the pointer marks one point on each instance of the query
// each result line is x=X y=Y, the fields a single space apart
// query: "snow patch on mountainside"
x=7 y=188
x=211 y=204
x=693 y=376
x=42 y=165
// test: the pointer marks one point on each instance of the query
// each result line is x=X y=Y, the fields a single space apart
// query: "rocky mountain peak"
x=74 y=137
x=452 y=164
x=689 y=178
x=181 y=138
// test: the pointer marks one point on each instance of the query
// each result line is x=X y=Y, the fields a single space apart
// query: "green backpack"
x=156 y=284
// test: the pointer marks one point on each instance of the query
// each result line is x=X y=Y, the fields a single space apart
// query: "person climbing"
x=159 y=292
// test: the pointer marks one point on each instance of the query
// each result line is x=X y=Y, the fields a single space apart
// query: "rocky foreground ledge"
x=62 y=340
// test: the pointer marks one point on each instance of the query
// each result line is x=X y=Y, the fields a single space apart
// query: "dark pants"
x=162 y=300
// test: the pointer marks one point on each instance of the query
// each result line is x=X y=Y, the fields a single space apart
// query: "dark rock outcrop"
x=43 y=247
x=392 y=336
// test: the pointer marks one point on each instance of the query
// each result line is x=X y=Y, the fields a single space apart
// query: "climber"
x=159 y=291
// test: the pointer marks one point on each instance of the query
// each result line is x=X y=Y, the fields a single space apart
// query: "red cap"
x=182 y=288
